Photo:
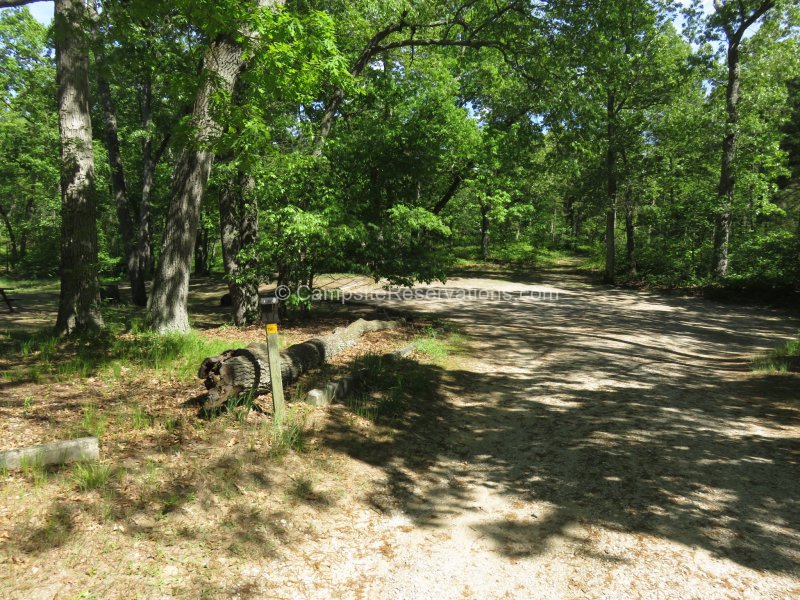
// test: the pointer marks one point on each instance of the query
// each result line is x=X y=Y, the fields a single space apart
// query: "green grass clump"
x=291 y=435
x=35 y=470
x=440 y=341
x=175 y=354
x=435 y=348
x=93 y=422
x=91 y=475
x=783 y=359
x=140 y=419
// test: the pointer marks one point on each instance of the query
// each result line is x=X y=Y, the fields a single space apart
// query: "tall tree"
x=238 y=219
x=623 y=57
x=119 y=184
x=222 y=64
x=734 y=19
x=79 y=304
x=29 y=176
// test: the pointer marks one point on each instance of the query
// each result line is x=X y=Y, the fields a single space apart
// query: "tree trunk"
x=452 y=189
x=79 y=302
x=111 y=131
x=611 y=190
x=168 y=300
x=238 y=219
x=727 y=179
x=145 y=235
x=630 y=240
x=246 y=371
x=11 y=236
x=23 y=237
x=201 y=251
x=485 y=231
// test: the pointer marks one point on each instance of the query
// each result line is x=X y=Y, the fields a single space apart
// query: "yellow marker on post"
x=270 y=316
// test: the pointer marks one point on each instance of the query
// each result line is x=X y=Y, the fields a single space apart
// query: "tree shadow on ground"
x=203 y=501
x=627 y=412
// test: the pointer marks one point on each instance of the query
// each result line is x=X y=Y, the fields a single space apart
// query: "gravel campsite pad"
x=593 y=443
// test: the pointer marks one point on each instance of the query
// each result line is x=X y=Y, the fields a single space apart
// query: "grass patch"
x=106 y=353
x=519 y=253
x=140 y=419
x=30 y=285
x=91 y=475
x=93 y=422
x=289 y=437
x=435 y=348
x=784 y=359
x=439 y=341
x=34 y=469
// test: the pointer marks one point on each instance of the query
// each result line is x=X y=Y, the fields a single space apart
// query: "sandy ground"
x=601 y=444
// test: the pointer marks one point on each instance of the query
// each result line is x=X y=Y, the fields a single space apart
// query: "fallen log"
x=246 y=370
x=55 y=453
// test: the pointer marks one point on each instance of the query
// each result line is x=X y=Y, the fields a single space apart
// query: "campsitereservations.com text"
x=306 y=293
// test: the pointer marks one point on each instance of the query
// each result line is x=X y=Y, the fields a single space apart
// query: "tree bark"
x=727 y=179
x=201 y=251
x=246 y=371
x=144 y=251
x=168 y=301
x=111 y=131
x=452 y=189
x=12 y=238
x=484 y=231
x=238 y=219
x=630 y=232
x=611 y=192
x=79 y=302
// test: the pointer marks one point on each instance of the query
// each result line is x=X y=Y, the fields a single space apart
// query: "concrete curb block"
x=336 y=390
x=55 y=453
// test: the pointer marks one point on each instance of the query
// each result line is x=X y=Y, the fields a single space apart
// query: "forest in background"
x=395 y=139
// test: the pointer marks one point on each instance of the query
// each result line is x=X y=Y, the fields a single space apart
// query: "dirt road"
x=592 y=443
x=603 y=444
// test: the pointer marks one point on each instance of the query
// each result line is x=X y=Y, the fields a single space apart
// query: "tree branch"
x=412 y=43
x=13 y=3
x=757 y=14
x=458 y=179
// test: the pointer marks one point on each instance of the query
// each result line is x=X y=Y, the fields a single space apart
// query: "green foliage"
x=29 y=175
x=439 y=144
x=412 y=246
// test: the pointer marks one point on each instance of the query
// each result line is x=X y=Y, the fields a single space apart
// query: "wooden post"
x=273 y=352
x=269 y=315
